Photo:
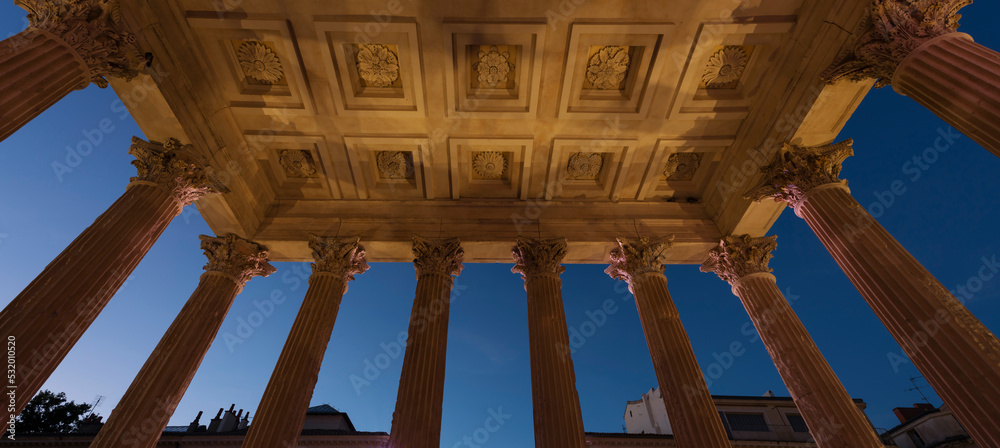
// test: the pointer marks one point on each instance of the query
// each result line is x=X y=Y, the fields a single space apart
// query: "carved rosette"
x=377 y=65
x=584 y=165
x=682 y=166
x=489 y=164
x=740 y=255
x=606 y=70
x=893 y=29
x=800 y=169
x=393 y=165
x=442 y=257
x=725 y=66
x=237 y=258
x=538 y=256
x=94 y=29
x=493 y=67
x=297 y=163
x=344 y=257
x=260 y=62
x=635 y=257
x=167 y=164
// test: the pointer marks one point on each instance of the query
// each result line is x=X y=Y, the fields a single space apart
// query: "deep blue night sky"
x=946 y=217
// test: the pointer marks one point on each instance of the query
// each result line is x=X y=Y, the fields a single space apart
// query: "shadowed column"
x=556 y=404
x=832 y=417
x=915 y=47
x=55 y=309
x=143 y=412
x=416 y=422
x=68 y=45
x=282 y=409
x=693 y=416
x=956 y=353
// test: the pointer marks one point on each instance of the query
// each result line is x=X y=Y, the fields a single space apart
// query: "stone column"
x=956 y=353
x=833 y=418
x=143 y=412
x=915 y=47
x=556 y=404
x=70 y=44
x=54 y=310
x=693 y=416
x=416 y=422
x=282 y=409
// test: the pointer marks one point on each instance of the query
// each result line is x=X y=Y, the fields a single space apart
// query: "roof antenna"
x=913 y=379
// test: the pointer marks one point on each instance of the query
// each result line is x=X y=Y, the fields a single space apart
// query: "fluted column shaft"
x=51 y=314
x=954 y=351
x=556 y=403
x=416 y=422
x=143 y=412
x=282 y=409
x=36 y=71
x=832 y=417
x=693 y=417
x=958 y=80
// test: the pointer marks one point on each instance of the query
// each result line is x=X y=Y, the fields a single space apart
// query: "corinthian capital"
x=637 y=256
x=892 y=30
x=437 y=257
x=94 y=29
x=800 y=169
x=343 y=258
x=538 y=256
x=739 y=255
x=237 y=258
x=169 y=165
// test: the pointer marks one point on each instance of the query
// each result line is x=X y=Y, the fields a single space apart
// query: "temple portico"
x=632 y=139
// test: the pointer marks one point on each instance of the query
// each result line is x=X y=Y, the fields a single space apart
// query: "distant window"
x=798 y=424
x=919 y=442
x=748 y=422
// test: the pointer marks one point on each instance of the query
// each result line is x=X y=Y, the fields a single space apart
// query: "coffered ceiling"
x=587 y=119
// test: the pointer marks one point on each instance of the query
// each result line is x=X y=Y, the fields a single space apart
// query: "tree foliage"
x=51 y=413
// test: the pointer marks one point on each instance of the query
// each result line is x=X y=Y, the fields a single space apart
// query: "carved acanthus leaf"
x=493 y=67
x=297 y=163
x=377 y=65
x=606 y=70
x=739 y=255
x=681 y=166
x=238 y=258
x=94 y=29
x=341 y=257
x=437 y=257
x=800 y=169
x=169 y=165
x=260 y=62
x=637 y=256
x=725 y=66
x=538 y=256
x=489 y=164
x=393 y=165
x=892 y=30
x=584 y=165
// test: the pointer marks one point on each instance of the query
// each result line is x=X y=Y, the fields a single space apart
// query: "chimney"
x=906 y=414
x=213 y=425
x=228 y=420
x=194 y=425
x=245 y=422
